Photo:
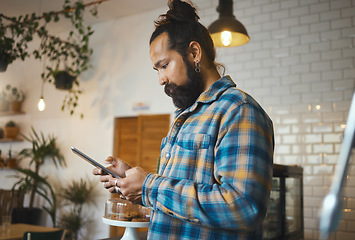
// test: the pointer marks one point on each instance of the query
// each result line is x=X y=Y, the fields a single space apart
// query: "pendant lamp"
x=227 y=31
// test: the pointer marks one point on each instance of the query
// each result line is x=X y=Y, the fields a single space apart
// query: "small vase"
x=15 y=106
x=11 y=132
x=12 y=163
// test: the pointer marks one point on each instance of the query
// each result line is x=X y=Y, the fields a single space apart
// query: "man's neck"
x=209 y=77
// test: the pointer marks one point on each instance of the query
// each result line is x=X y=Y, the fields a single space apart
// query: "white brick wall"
x=300 y=66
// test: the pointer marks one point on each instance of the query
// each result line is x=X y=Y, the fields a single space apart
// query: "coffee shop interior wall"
x=299 y=65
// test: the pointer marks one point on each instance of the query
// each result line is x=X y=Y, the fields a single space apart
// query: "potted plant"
x=64 y=68
x=75 y=196
x=42 y=150
x=71 y=54
x=34 y=215
x=63 y=80
x=13 y=44
x=4 y=61
x=14 y=96
x=11 y=130
x=12 y=160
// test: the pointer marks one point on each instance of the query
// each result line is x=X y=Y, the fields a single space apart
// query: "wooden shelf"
x=11 y=113
x=8 y=168
x=10 y=140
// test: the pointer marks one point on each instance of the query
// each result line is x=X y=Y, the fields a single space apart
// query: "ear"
x=196 y=51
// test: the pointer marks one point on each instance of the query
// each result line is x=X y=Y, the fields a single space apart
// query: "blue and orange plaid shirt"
x=215 y=169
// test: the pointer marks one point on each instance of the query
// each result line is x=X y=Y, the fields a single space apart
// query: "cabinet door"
x=151 y=130
x=138 y=139
x=126 y=139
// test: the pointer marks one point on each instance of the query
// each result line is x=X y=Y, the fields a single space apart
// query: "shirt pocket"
x=194 y=141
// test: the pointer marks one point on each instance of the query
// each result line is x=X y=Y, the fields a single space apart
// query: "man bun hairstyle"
x=182 y=26
x=181 y=11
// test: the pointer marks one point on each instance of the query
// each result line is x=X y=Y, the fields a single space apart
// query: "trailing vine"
x=71 y=54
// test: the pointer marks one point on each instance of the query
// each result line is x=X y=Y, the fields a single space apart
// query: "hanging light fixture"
x=41 y=104
x=227 y=31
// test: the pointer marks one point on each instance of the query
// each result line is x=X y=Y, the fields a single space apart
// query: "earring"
x=197 y=67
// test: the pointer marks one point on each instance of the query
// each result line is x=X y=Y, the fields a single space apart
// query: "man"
x=216 y=162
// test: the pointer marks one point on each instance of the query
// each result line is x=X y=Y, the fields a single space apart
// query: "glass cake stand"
x=130 y=233
x=122 y=213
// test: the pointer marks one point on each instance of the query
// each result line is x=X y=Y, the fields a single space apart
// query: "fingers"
x=105 y=178
x=113 y=187
x=97 y=171
x=110 y=160
x=116 y=165
x=117 y=189
x=109 y=184
x=117 y=162
x=129 y=188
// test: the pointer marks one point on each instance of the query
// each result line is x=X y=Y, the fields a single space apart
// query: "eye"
x=164 y=66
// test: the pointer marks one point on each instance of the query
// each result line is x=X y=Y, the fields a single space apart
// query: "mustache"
x=170 y=89
x=173 y=90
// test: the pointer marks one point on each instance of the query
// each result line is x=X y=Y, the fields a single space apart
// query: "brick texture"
x=300 y=66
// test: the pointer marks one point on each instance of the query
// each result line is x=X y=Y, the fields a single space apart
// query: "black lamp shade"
x=238 y=35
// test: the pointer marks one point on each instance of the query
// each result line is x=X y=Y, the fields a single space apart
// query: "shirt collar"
x=216 y=89
x=212 y=93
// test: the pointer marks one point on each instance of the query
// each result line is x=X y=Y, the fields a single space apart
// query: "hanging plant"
x=70 y=55
x=4 y=61
x=63 y=80
x=13 y=42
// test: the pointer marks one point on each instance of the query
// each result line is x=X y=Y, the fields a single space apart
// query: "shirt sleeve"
x=242 y=173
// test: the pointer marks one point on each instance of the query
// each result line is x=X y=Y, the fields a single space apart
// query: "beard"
x=185 y=95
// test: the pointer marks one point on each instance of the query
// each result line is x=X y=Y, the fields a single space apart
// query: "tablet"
x=93 y=162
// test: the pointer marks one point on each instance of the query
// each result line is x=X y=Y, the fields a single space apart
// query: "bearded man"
x=216 y=162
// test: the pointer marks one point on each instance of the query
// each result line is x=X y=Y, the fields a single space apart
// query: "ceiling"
x=107 y=10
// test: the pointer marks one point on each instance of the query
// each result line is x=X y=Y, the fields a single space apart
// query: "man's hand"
x=131 y=182
x=131 y=185
x=117 y=166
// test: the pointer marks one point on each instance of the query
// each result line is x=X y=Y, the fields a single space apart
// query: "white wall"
x=121 y=77
x=301 y=55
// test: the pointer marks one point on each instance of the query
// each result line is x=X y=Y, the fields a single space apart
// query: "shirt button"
x=167 y=156
x=195 y=220
x=178 y=124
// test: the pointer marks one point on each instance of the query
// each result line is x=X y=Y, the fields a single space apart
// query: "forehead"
x=159 y=47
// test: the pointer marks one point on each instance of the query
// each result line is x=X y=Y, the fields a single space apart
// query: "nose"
x=162 y=79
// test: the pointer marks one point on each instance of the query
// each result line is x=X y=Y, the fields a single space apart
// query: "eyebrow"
x=158 y=63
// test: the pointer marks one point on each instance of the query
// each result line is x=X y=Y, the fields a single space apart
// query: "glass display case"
x=284 y=217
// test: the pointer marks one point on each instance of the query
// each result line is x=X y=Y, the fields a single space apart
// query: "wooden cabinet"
x=137 y=139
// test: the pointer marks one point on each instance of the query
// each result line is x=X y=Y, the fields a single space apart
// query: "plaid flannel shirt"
x=215 y=169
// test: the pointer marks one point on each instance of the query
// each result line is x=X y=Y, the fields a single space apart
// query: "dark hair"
x=182 y=26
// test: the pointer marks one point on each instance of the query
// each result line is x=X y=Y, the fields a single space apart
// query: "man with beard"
x=216 y=162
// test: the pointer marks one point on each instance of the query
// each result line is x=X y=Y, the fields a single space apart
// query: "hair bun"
x=181 y=11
